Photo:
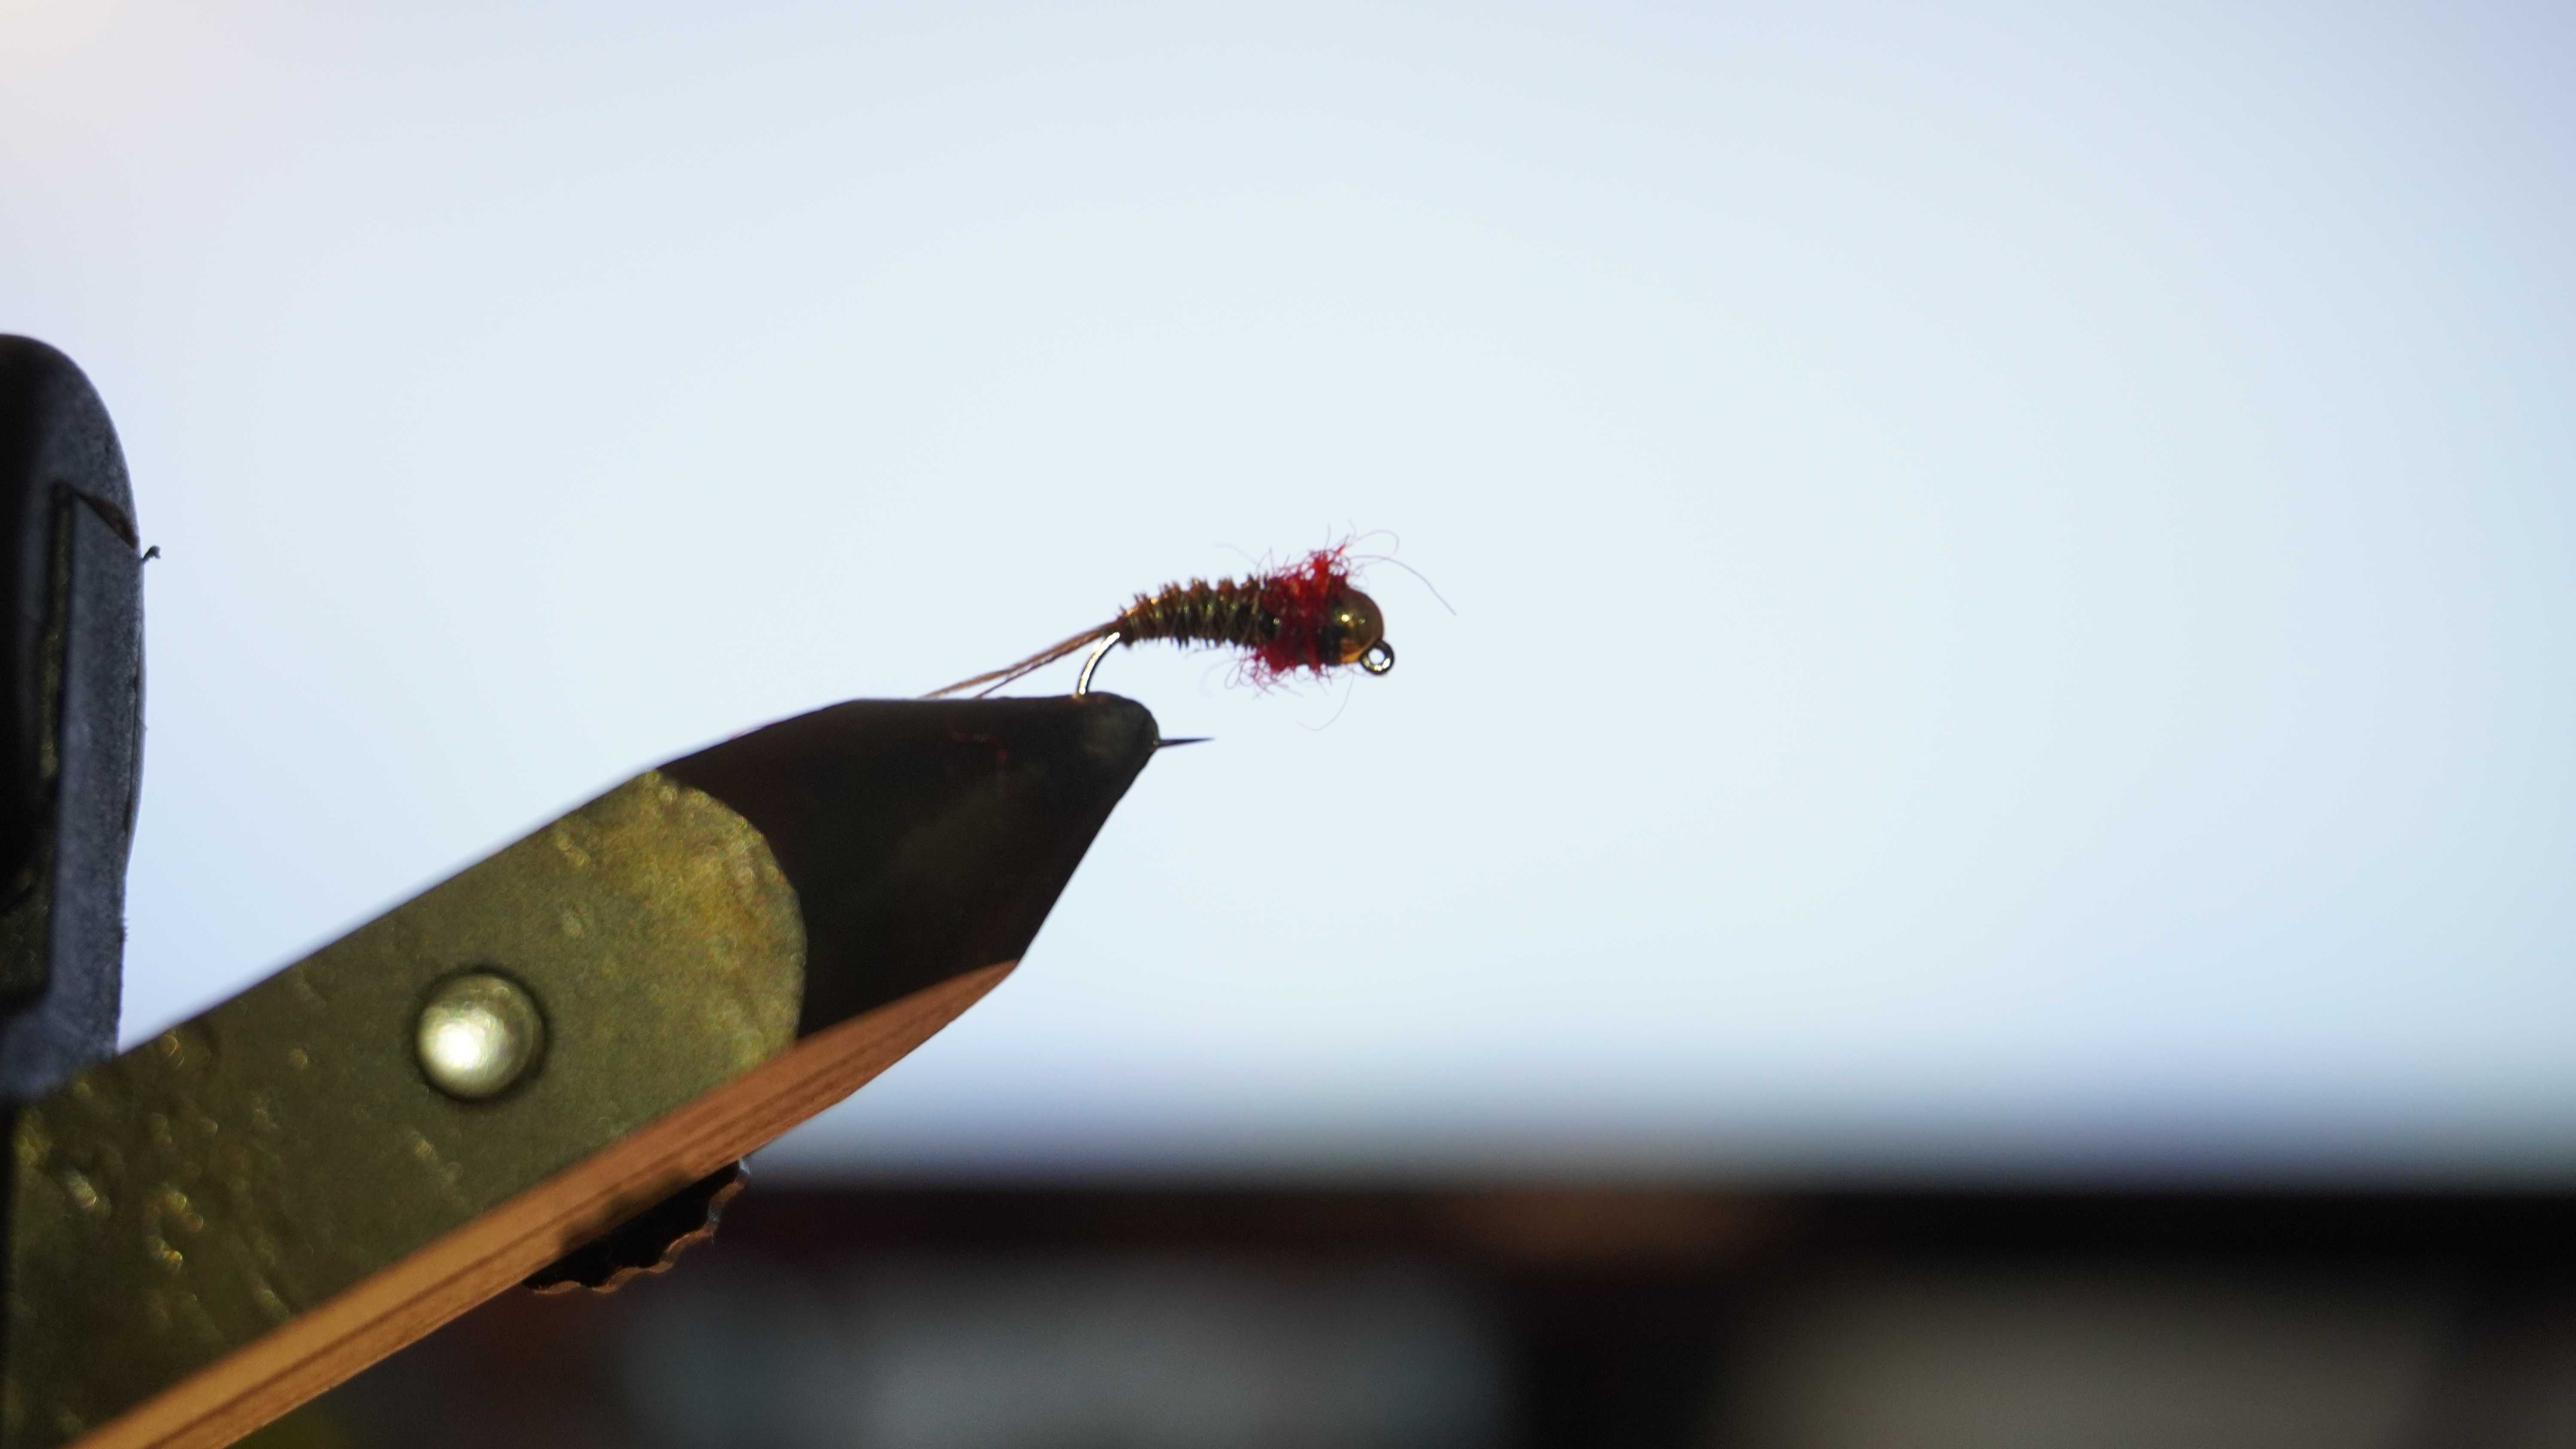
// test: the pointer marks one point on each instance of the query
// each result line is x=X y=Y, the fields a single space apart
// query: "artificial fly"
x=1306 y=616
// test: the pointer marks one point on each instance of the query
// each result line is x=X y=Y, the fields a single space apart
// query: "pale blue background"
x=2012 y=564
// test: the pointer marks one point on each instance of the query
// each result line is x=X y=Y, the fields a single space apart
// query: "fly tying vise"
x=1306 y=616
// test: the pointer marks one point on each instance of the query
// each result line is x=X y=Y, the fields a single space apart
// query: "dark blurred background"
x=1172 y=1319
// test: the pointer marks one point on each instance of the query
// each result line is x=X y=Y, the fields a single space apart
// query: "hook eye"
x=1379 y=658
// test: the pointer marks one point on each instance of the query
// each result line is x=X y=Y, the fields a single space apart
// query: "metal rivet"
x=478 y=1034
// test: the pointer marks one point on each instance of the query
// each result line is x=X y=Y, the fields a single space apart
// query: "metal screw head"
x=478 y=1034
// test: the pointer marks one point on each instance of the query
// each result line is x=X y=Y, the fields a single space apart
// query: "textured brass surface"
x=176 y=1203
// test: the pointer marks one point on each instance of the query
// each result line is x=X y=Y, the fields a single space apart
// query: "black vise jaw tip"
x=71 y=725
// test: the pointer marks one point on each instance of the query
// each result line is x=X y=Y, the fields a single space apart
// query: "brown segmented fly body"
x=1305 y=617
